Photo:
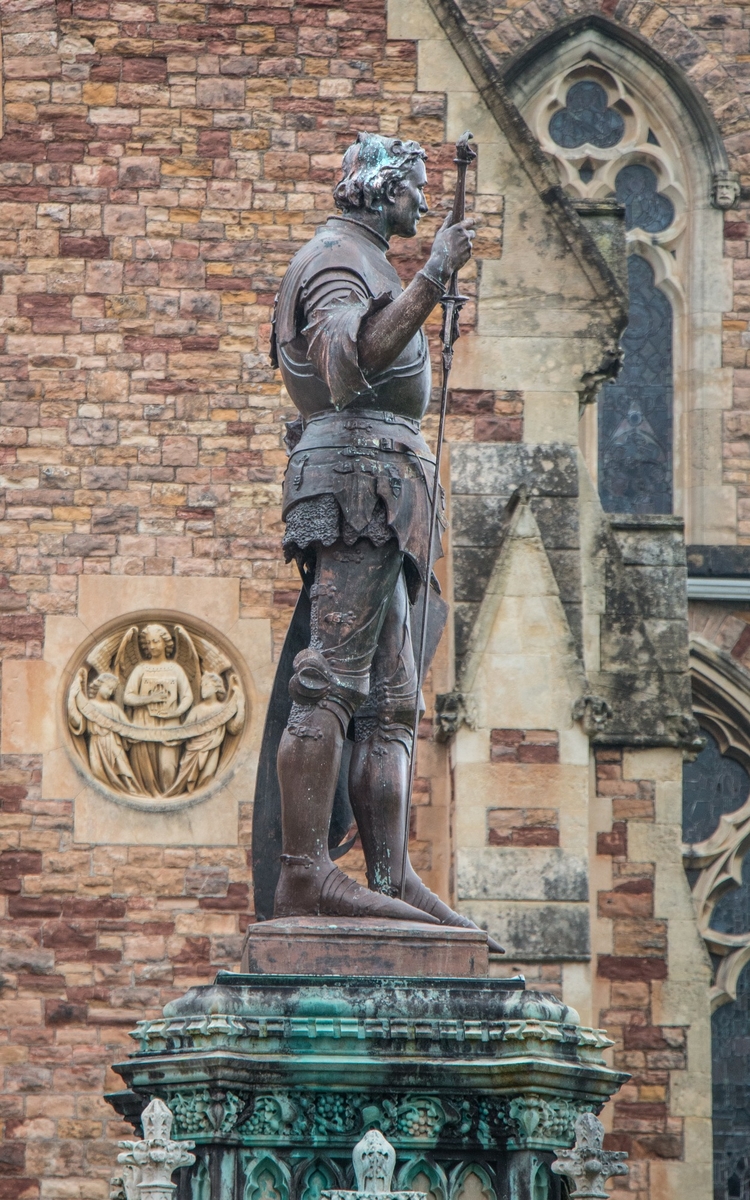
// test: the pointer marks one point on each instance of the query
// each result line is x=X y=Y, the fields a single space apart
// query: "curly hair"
x=370 y=165
x=165 y=636
x=218 y=682
x=97 y=684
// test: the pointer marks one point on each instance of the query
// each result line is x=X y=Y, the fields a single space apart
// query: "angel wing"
x=128 y=654
x=211 y=657
x=187 y=656
x=101 y=656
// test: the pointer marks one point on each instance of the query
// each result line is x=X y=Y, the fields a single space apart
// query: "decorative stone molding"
x=155 y=710
x=244 y=1033
x=410 y=1120
x=374 y=1162
x=588 y=1166
x=148 y=1165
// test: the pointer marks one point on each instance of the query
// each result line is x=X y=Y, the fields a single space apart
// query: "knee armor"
x=314 y=684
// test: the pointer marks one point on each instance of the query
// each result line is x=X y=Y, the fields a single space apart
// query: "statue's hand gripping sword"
x=452 y=303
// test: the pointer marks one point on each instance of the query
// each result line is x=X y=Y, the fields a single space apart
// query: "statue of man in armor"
x=353 y=355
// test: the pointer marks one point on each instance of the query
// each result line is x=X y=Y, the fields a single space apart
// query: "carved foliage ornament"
x=588 y=1166
x=155 y=711
x=334 y=1118
x=148 y=1165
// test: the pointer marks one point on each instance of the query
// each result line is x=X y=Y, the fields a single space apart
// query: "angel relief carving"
x=156 y=711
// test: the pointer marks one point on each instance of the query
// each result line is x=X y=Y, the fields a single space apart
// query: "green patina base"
x=475 y=1082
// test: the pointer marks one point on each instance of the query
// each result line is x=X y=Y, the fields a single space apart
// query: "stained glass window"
x=586 y=118
x=645 y=207
x=712 y=785
x=635 y=412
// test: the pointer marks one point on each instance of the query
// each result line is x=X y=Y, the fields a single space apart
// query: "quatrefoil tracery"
x=606 y=143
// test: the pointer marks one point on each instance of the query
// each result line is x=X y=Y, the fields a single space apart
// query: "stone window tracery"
x=606 y=141
x=639 y=130
x=716 y=833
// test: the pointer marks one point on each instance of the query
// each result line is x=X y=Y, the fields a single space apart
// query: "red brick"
x=538 y=753
x=498 y=429
x=34 y=906
x=21 y=627
x=62 y=1012
x=18 y=1187
x=615 y=842
x=652 y=1037
x=506 y=737
x=14 y=864
x=611 y=966
x=237 y=899
x=12 y=1158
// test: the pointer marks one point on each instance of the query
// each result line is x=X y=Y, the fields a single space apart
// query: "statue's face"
x=408 y=206
x=106 y=688
x=154 y=642
x=208 y=687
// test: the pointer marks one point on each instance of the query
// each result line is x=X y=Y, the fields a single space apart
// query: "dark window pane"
x=586 y=118
x=712 y=785
x=635 y=412
x=645 y=207
x=730 y=1040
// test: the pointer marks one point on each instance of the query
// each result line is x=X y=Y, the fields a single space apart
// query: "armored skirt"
x=361 y=474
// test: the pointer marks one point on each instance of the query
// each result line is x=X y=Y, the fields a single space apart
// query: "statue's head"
x=387 y=175
x=211 y=685
x=104 y=686
x=152 y=639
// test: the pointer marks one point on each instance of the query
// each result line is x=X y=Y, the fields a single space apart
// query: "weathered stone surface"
x=349 y=946
x=534 y=873
x=535 y=932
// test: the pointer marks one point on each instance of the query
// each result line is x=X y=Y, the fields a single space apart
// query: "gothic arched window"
x=618 y=124
x=603 y=138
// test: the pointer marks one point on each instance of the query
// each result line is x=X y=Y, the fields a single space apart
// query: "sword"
x=452 y=303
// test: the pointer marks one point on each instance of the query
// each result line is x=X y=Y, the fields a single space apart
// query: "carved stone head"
x=726 y=189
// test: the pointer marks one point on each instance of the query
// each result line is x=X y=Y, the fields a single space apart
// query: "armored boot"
x=378 y=782
x=310 y=884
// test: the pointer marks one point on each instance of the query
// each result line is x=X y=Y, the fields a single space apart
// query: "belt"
x=364 y=414
x=352 y=435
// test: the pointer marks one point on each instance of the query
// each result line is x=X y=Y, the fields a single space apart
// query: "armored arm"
x=385 y=333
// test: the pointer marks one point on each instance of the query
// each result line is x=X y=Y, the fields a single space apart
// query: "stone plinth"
x=275 y=1078
x=355 y=946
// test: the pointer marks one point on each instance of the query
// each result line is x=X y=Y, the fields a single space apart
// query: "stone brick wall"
x=159 y=165
x=643 y=1118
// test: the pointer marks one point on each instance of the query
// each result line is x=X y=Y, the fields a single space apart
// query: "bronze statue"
x=349 y=341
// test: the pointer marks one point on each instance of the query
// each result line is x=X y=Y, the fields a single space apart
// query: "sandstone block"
x=141 y=171
x=124 y=219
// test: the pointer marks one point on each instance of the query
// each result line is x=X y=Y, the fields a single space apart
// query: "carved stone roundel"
x=155 y=710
